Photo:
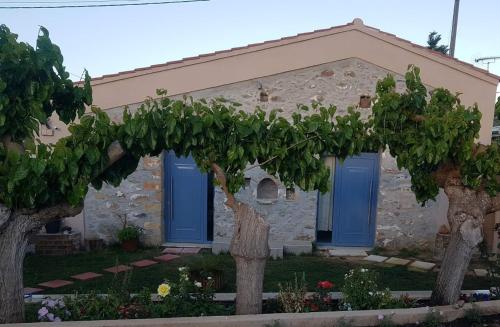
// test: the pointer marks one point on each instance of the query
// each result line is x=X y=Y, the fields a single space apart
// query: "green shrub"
x=128 y=233
x=361 y=292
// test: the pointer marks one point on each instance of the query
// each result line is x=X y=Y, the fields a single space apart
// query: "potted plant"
x=129 y=237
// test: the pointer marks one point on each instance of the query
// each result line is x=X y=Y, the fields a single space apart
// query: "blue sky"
x=108 y=40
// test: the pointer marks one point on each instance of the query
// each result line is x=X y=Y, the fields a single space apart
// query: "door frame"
x=167 y=198
x=373 y=205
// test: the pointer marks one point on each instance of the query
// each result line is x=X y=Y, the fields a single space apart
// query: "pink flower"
x=325 y=285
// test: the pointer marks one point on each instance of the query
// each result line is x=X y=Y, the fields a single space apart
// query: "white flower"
x=197 y=284
x=182 y=269
x=371 y=293
x=43 y=311
x=209 y=278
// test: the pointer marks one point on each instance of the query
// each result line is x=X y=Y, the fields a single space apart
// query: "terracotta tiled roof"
x=356 y=24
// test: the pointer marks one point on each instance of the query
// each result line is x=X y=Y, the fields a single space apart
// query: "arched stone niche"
x=267 y=191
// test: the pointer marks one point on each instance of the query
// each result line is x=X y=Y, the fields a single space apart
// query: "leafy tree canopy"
x=430 y=134
x=214 y=131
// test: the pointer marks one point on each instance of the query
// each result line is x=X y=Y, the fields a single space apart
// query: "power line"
x=14 y=2
x=101 y=5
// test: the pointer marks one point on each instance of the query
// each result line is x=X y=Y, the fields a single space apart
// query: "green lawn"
x=39 y=269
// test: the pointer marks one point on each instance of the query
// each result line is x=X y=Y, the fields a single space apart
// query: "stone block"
x=421 y=266
x=166 y=257
x=56 y=283
x=481 y=272
x=397 y=261
x=375 y=258
x=221 y=246
x=151 y=186
x=347 y=252
x=86 y=276
x=151 y=163
x=297 y=247
x=118 y=269
x=276 y=250
x=143 y=263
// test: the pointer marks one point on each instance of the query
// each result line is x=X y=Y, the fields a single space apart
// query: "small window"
x=290 y=194
x=365 y=101
x=267 y=191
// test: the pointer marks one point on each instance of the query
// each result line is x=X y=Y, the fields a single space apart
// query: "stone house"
x=371 y=202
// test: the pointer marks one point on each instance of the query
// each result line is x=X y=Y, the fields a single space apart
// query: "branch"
x=115 y=153
x=221 y=178
x=276 y=156
x=42 y=216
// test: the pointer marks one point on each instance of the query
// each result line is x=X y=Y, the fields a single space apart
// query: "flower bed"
x=187 y=297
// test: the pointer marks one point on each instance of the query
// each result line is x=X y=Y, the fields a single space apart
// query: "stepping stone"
x=189 y=251
x=375 y=258
x=143 y=263
x=421 y=266
x=56 y=283
x=86 y=276
x=347 y=253
x=172 y=251
x=166 y=257
x=118 y=269
x=397 y=261
x=32 y=290
x=481 y=272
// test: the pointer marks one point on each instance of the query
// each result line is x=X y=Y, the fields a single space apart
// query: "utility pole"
x=454 y=28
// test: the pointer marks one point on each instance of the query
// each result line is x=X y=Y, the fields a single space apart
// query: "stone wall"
x=138 y=198
x=401 y=222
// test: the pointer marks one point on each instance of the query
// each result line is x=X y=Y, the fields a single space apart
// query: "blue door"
x=185 y=200
x=355 y=200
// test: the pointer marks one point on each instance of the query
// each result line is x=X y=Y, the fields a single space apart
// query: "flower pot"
x=130 y=245
x=53 y=227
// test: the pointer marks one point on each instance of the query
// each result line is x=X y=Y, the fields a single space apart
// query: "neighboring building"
x=371 y=202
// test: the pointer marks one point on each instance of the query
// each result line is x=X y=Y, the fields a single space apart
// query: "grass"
x=39 y=269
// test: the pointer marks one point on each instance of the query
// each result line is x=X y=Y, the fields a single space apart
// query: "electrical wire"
x=15 y=2
x=101 y=5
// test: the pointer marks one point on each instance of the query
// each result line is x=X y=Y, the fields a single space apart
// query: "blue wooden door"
x=185 y=200
x=355 y=200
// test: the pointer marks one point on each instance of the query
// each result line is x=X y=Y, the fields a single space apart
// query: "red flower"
x=325 y=284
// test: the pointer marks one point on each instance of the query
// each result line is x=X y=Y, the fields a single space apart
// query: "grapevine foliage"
x=215 y=131
x=429 y=132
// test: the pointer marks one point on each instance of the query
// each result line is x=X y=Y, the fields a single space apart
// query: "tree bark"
x=249 y=248
x=466 y=212
x=13 y=243
x=16 y=228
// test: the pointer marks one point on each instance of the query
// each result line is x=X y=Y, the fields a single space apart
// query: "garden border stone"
x=312 y=319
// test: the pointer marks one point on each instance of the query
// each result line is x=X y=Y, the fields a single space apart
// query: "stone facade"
x=401 y=222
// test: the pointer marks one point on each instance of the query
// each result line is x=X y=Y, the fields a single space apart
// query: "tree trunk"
x=250 y=249
x=13 y=243
x=16 y=228
x=453 y=268
x=466 y=212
